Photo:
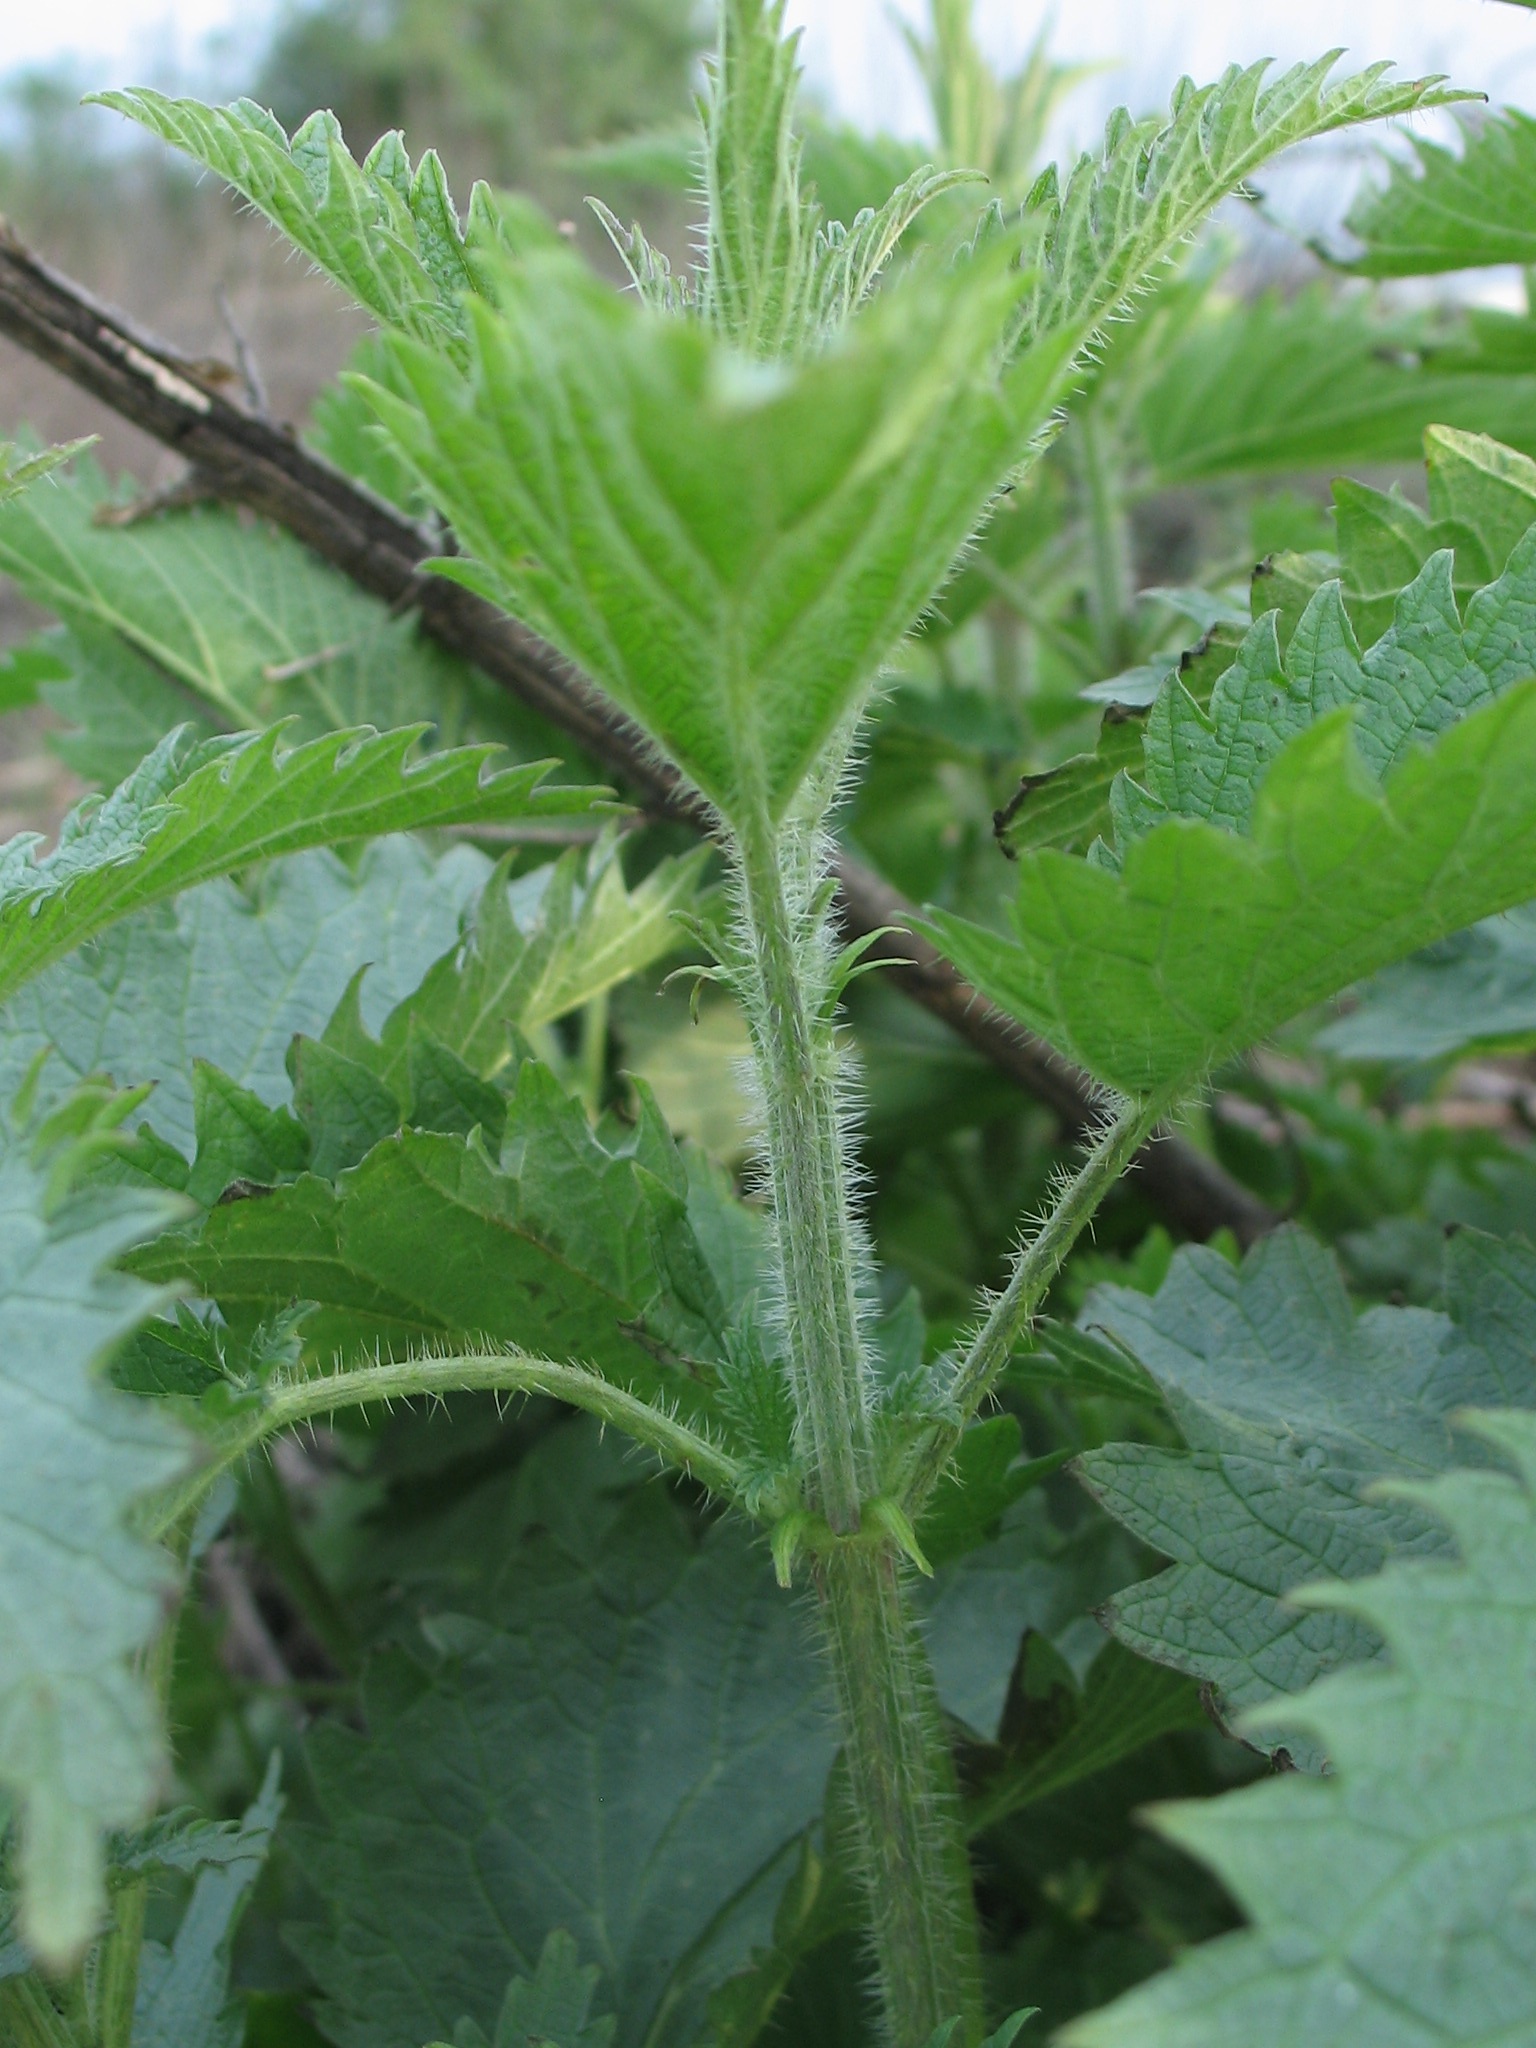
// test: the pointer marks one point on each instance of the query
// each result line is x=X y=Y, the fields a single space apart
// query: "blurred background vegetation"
x=1202 y=442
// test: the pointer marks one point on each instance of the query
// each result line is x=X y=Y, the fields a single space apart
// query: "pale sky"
x=855 y=57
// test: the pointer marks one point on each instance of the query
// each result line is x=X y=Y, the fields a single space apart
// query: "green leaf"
x=184 y=1991
x=1068 y=807
x=1003 y=2037
x=1079 y=1363
x=239 y=1139
x=760 y=247
x=1207 y=942
x=1120 y=217
x=1476 y=989
x=1054 y=1736
x=150 y=998
x=731 y=552
x=975 y=1609
x=21 y=467
x=775 y=280
x=1482 y=499
x=1274 y=385
x=534 y=952
x=1445 y=210
x=1389 y=1902
x=548 y=2010
x=178 y=1842
x=345 y=1108
x=1426 y=672
x=386 y=233
x=628 y=1688
x=80 y=1741
x=987 y=1476
x=25 y=669
x=202 y=610
x=1293 y=1410
x=571 y=1244
x=192 y=811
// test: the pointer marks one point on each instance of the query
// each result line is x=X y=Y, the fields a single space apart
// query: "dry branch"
x=242 y=457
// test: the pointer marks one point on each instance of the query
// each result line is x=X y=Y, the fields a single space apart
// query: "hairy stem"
x=1035 y=1267
x=906 y=1809
x=290 y=1403
x=911 y=1848
x=816 y=1243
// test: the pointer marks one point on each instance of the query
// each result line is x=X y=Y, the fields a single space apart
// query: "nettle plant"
x=729 y=497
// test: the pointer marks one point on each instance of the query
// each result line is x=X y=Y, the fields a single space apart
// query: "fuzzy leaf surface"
x=1104 y=235
x=731 y=552
x=1293 y=1409
x=1206 y=941
x=80 y=1595
x=192 y=811
x=760 y=234
x=1391 y=1902
x=627 y=1687
x=387 y=233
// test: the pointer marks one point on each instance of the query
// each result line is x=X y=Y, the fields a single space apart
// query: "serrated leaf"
x=1293 y=1410
x=1482 y=499
x=1444 y=209
x=180 y=1842
x=80 y=1741
x=629 y=1688
x=571 y=1244
x=776 y=277
x=150 y=998
x=1068 y=807
x=184 y=1991
x=550 y=2009
x=987 y=1476
x=731 y=552
x=385 y=232
x=239 y=1138
x=1101 y=238
x=192 y=811
x=202 y=609
x=1207 y=942
x=1427 y=671
x=1391 y=1901
x=760 y=234
x=344 y=1107
x=1476 y=989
